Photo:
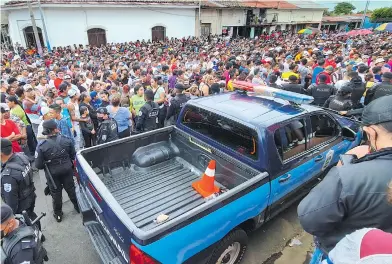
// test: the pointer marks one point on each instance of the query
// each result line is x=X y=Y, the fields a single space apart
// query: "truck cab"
x=269 y=153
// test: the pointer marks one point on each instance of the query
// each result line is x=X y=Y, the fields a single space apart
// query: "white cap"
x=378 y=60
x=4 y=106
x=44 y=110
x=71 y=93
x=27 y=86
x=315 y=49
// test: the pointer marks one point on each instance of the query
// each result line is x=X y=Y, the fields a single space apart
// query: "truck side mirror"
x=348 y=134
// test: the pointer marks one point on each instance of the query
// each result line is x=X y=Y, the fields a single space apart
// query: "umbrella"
x=309 y=31
x=305 y=31
x=385 y=27
x=357 y=32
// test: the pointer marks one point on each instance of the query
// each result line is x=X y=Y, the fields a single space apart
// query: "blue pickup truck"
x=269 y=153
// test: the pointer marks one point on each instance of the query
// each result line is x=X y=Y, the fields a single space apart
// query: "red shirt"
x=330 y=63
x=57 y=82
x=7 y=129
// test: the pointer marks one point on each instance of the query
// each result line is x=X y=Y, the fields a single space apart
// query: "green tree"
x=363 y=11
x=344 y=8
x=383 y=14
x=327 y=13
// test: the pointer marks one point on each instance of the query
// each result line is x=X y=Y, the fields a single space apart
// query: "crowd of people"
x=82 y=96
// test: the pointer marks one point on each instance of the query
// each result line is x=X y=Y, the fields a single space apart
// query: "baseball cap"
x=49 y=124
x=67 y=77
x=378 y=111
x=378 y=60
x=5 y=143
x=102 y=110
x=44 y=110
x=180 y=86
x=329 y=68
x=71 y=93
x=27 y=87
x=4 y=107
x=93 y=94
x=6 y=211
x=289 y=57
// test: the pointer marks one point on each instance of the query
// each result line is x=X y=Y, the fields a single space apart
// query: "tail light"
x=139 y=257
x=94 y=192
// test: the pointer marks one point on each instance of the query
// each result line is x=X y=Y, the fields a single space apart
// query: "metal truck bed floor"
x=145 y=194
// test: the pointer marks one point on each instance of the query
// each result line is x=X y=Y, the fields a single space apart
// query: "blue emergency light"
x=273 y=92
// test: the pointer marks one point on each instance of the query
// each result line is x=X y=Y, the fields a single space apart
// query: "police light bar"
x=273 y=92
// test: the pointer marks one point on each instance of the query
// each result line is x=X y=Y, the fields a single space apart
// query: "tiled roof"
x=349 y=18
x=205 y=3
x=307 y=4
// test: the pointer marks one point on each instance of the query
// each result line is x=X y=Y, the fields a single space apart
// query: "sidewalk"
x=68 y=241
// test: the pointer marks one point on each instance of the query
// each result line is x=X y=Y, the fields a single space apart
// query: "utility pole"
x=36 y=36
x=44 y=26
x=199 y=18
x=364 y=13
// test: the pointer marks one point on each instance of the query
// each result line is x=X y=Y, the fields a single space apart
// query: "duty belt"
x=58 y=161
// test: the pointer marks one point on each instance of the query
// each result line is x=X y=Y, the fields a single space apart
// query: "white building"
x=249 y=18
x=96 y=22
x=79 y=22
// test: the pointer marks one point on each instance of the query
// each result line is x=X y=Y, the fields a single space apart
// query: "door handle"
x=285 y=178
x=319 y=158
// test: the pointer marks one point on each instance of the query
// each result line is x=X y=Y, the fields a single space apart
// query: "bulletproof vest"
x=29 y=239
x=321 y=93
x=180 y=103
x=339 y=104
x=152 y=116
x=56 y=155
x=382 y=89
x=20 y=165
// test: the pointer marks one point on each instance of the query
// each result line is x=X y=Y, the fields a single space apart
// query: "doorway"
x=205 y=29
x=96 y=37
x=158 y=33
x=30 y=37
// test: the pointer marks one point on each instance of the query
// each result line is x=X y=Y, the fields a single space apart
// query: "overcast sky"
x=359 y=4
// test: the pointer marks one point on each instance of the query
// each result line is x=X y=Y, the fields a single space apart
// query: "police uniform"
x=55 y=155
x=342 y=101
x=177 y=103
x=18 y=189
x=147 y=118
x=22 y=245
x=352 y=196
x=381 y=89
x=107 y=129
x=320 y=92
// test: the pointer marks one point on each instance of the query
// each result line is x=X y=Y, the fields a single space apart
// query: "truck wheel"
x=230 y=249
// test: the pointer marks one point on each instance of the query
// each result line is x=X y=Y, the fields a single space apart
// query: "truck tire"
x=231 y=249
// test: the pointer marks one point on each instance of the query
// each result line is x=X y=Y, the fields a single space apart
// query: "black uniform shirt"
x=107 y=131
x=56 y=149
x=17 y=184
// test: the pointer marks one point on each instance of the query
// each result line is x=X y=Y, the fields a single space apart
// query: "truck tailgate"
x=145 y=194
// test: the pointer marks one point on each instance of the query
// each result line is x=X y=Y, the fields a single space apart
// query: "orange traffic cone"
x=206 y=185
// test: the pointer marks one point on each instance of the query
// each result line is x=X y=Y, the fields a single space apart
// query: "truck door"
x=325 y=143
x=295 y=163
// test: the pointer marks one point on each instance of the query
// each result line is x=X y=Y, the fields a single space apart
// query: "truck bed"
x=152 y=174
x=146 y=193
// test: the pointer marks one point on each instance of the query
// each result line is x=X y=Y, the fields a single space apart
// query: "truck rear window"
x=225 y=131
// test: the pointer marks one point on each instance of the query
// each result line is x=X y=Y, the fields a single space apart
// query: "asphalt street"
x=68 y=241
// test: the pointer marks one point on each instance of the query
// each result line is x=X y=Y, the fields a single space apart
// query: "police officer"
x=293 y=85
x=18 y=189
x=353 y=195
x=55 y=155
x=320 y=92
x=147 y=118
x=341 y=101
x=380 y=89
x=20 y=244
x=107 y=128
x=176 y=104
